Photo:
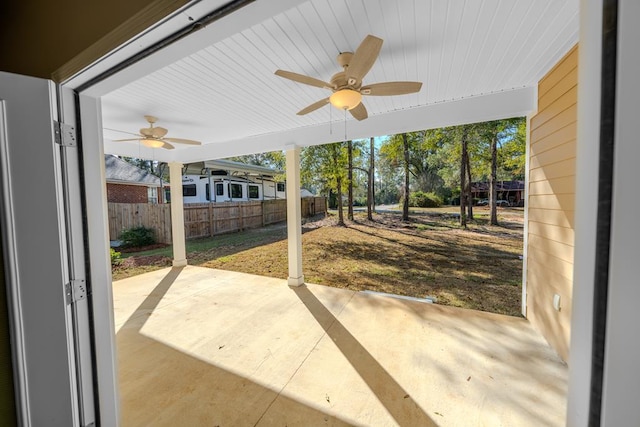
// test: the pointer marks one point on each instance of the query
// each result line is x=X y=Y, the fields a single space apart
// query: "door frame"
x=88 y=103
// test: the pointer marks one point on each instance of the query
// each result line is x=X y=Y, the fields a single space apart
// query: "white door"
x=44 y=256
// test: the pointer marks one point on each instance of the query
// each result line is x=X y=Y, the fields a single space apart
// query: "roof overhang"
x=478 y=61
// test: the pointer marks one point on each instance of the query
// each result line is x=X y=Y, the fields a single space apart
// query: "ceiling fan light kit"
x=347 y=85
x=345 y=99
x=153 y=143
x=154 y=137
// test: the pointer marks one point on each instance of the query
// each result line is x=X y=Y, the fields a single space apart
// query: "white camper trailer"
x=226 y=181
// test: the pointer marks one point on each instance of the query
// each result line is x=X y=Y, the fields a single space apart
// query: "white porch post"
x=294 y=219
x=177 y=215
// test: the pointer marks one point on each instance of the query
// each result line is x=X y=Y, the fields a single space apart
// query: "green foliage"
x=512 y=153
x=423 y=145
x=138 y=236
x=152 y=166
x=420 y=199
x=434 y=160
x=322 y=166
x=116 y=257
x=273 y=159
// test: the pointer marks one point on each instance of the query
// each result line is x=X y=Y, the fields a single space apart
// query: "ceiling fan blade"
x=167 y=146
x=363 y=59
x=391 y=88
x=128 y=139
x=303 y=79
x=182 y=141
x=359 y=112
x=313 y=107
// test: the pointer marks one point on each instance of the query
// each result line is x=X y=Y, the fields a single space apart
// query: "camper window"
x=281 y=186
x=219 y=189
x=189 y=190
x=236 y=191
x=254 y=192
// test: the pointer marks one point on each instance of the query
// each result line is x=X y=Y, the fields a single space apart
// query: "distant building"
x=511 y=191
x=127 y=183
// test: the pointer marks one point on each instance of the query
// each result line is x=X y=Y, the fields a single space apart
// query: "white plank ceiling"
x=478 y=60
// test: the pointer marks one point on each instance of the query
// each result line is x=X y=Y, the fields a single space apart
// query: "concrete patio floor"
x=204 y=347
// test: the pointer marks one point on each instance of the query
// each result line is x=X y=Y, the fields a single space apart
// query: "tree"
x=494 y=174
x=405 y=205
x=398 y=153
x=350 y=179
x=323 y=168
x=463 y=175
x=335 y=156
x=468 y=186
x=148 y=165
x=502 y=144
x=371 y=180
x=513 y=141
x=273 y=159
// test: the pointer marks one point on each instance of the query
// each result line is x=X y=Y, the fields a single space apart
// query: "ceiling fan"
x=154 y=137
x=347 y=85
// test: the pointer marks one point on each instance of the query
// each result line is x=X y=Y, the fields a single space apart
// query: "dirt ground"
x=478 y=268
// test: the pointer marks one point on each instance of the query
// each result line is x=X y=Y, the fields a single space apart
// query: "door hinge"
x=75 y=290
x=65 y=134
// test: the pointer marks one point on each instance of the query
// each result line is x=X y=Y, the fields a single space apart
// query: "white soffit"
x=478 y=60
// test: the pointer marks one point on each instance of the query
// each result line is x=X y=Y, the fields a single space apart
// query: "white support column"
x=177 y=215
x=294 y=216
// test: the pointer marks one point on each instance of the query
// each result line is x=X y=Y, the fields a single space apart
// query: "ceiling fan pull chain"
x=345 y=125
x=330 y=122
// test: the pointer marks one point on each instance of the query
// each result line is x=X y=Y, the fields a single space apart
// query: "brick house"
x=127 y=183
x=511 y=191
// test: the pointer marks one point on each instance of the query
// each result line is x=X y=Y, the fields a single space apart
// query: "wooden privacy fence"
x=205 y=219
x=128 y=215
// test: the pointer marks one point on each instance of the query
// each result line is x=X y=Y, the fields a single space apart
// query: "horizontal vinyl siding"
x=566 y=168
x=550 y=262
x=545 y=216
x=564 y=134
x=555 y=233
x=551 y=203
x=562 y=185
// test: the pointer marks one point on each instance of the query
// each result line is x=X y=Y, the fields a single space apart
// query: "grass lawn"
x=430 y=255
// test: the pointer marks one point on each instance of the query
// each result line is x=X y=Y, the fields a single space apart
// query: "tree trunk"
x=370 y=179
x=350 y=181
x=469 y=193
x=372 y=160
x=335 y=154
x=340 y=214
x=493 y=177
x=463 y=177
x=405 y=205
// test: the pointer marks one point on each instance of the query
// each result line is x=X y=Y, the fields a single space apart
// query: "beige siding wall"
x=552 y=202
